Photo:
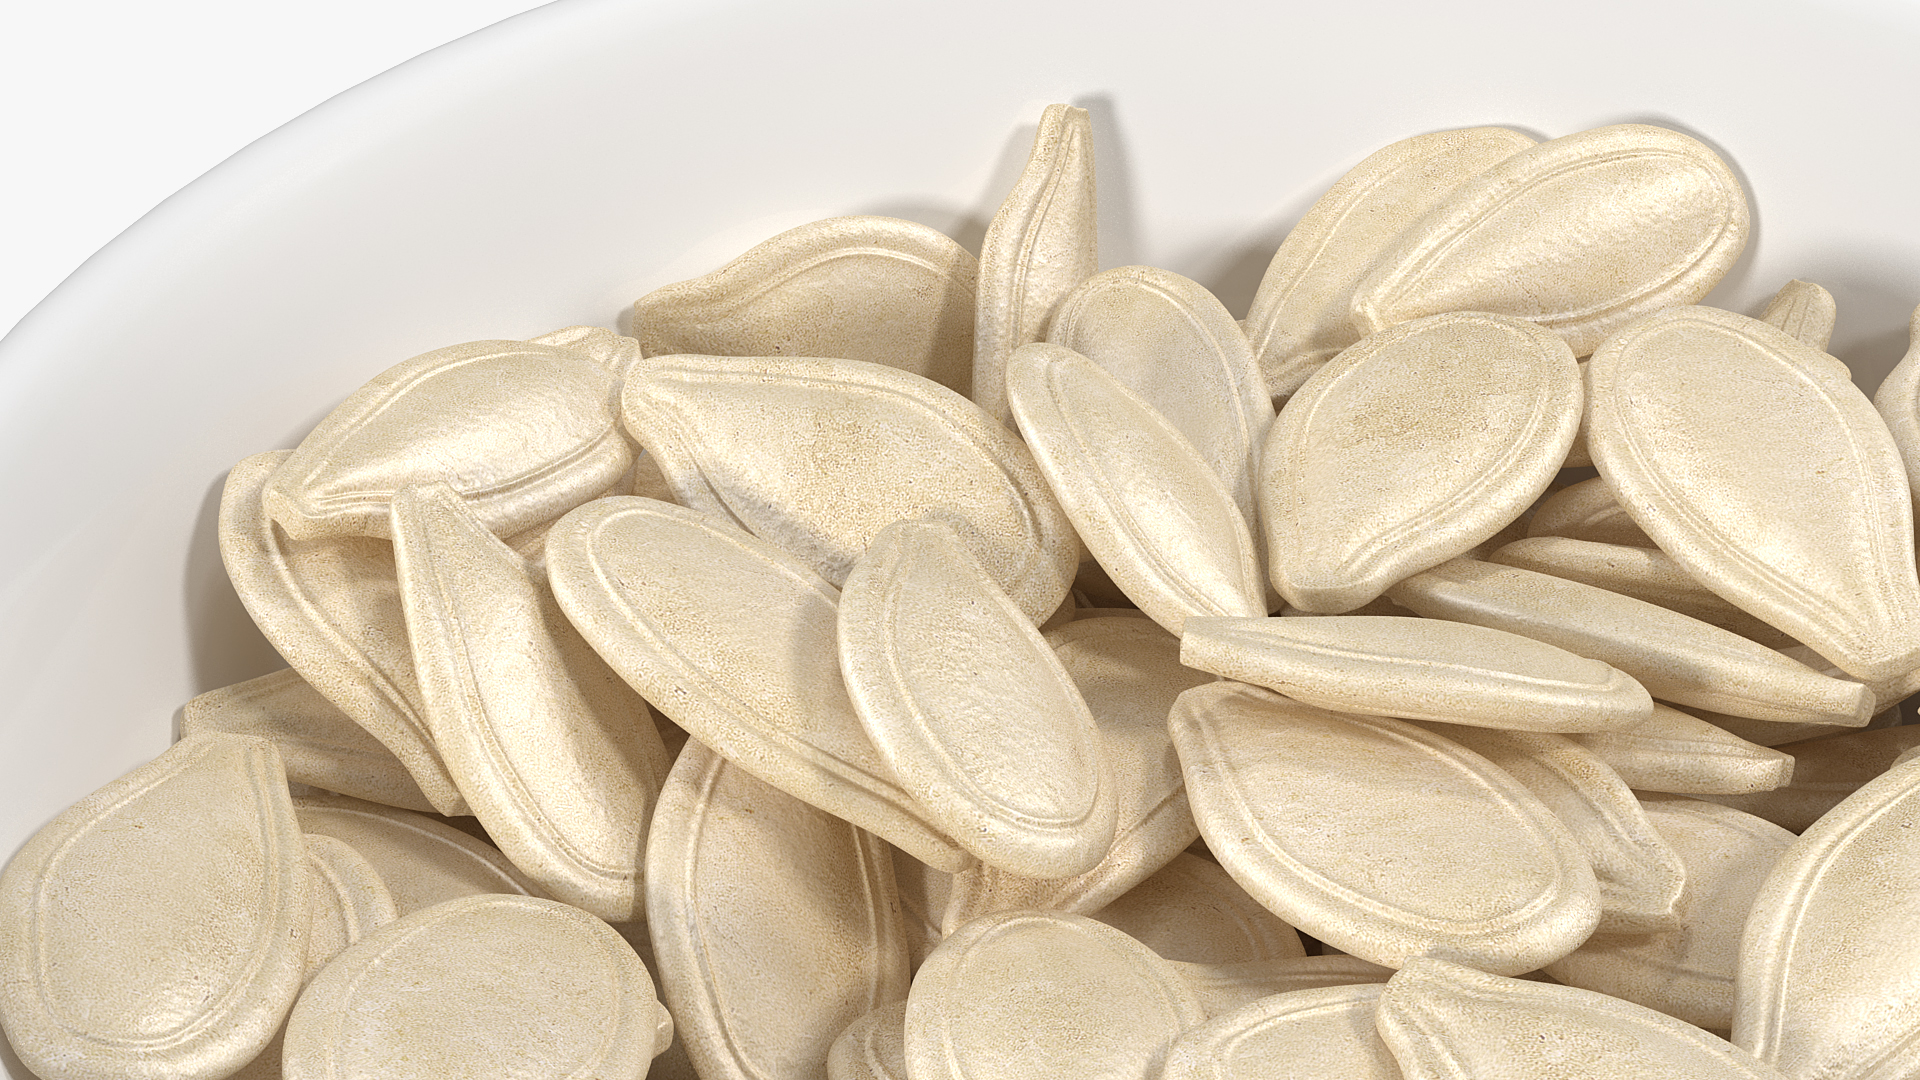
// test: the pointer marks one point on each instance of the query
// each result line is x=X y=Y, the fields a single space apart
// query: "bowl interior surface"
x=550 y=169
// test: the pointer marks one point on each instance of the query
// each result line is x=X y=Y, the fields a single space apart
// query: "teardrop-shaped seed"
x=1042 y=242
x=1676 y=658
x=1481 y=869
x=423 y=862
x=331 y=607
x=818 y=455
x=1581 y=235
x=1128 y=671
x=349 y=900
x=1151 y=510
x=1828 y=981
x=1768 y=476
x=1825 y=771
x=1324 y=1034
x=1765 y=733
x=1805 y=312
x=601 y=345
x=1687 y=970
x=1447 y=1022
x=320 y=745
x=1005 y=759
x=775 y=924
x=158 y=927
x=1222 y=988
x=1898 y=403
x=878 y=289
x=1419 y=669
x=736 y=641
x=873 y=1047
x=1410 y=448
x=479 y=986
x=1675 y=752
x=1887 y=693
x=1040 y=995
x=557 y=756
x=1586 y=511
x=1644 y=573
x=1192 y=911
x=1169 y=340
x=1299 y=317
x=522 y=431
x=1640 y=875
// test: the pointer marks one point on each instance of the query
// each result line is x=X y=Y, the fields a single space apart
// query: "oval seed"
x=1898 y=403
x=1041 y=243
x=1128 y=671
x=1160 y=521
x=1676 y=658
x=538 y=435
x=873 y=1047
x=1639 y=874
x=1686 y=970
x=1482 y=870
x=1644 y=573
x=421 y=861
x=320 y=745
x=868 y=288
x=1765 y=474
x=775 y=924
x=1192 y=911
x=1299 y=316
x=479 y=986
x=558 y=758
x=1411 y=448
x=1825 y=771
x=331 y=607
x=1170 y=341
x=737 y=642
x=1805 y=312
x=1446 y=1021
x=1675 y=752
x=1033 y=995
x=348 y=898
x=818 y=455
x=1006 y=759
x=1581 y=235
x=1419 y=669
x=1322 y=1034
x=158 y=927
x=1586 y=511
x=1825 y=983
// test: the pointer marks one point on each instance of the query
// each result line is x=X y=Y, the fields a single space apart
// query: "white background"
x=109 y=106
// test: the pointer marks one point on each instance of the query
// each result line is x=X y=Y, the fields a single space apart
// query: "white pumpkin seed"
x=1481 y=869
x=1160 y=521
x=1041 y=244
x=537 y=435
x=877 y=289
x=1705 y=423
x=736 y=641
x=1411 y=448
x=1582 y=234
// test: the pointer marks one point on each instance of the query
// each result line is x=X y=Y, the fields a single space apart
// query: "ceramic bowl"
x=552 y=168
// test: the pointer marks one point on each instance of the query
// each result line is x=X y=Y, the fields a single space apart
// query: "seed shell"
x=1482 y=869
x=1768 y=476
x=775 y=924
x=157 y=929
x=868 y=288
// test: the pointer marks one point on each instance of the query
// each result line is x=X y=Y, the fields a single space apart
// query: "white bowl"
x=550 y=169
